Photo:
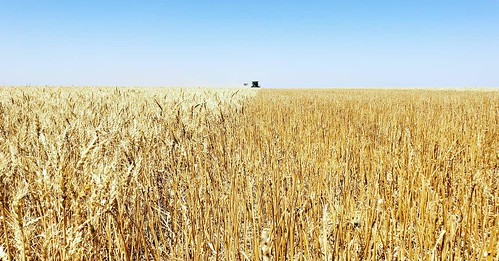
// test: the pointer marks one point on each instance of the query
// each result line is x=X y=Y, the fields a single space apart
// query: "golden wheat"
x=173 y=174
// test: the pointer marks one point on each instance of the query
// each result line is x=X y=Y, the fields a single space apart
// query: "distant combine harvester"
x=254 y=84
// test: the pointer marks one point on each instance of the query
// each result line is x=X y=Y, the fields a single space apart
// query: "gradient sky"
x=409 y=43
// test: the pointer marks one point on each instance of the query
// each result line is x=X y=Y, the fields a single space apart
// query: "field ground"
x=172 y=174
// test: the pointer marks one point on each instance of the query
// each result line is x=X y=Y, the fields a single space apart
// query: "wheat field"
x=226 y=174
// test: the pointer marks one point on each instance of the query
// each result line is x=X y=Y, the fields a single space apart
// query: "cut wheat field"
x=226 y=174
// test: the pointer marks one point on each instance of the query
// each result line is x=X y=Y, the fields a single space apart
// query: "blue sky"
x=423 y=43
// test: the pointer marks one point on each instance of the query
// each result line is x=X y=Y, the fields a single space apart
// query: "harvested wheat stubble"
x=131 y=174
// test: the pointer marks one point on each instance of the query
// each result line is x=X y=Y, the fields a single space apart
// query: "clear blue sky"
x=409 y=43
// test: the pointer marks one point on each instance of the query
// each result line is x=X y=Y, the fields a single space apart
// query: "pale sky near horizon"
x=437 y=43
